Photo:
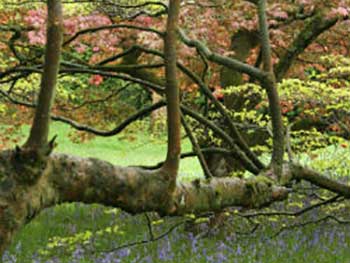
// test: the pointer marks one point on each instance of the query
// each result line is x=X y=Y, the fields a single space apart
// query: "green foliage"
x=315 y=109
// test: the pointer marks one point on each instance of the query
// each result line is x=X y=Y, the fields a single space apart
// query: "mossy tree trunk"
x=73 y=179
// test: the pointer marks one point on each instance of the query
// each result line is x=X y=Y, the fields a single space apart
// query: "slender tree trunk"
x=21 y=191
x=171 y=164
x=38 y=137
x=269 y=83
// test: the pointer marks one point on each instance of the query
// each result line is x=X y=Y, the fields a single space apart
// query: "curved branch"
x=157 y=88
x=126 y=68
x=126 y=52
x=142 y=113
x=109 y=27
x=221 y=60
x=145 y=4
x=237 y=152
x=81 y=127
x=314 y=27
x=189 y=155
x=303 y=173
x=105 y=99
x=297 y=213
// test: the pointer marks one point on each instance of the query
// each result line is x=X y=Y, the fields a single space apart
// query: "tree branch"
x=109 y=27
x=237 y=152
x=221 y=60
x=303 y=173
x=88 y=180
x=314 y=27
x=197 y=149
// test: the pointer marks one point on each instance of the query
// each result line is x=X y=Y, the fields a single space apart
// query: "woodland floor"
x=80 y=233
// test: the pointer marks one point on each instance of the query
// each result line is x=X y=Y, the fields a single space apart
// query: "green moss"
x=259 y=189
x=28 y=165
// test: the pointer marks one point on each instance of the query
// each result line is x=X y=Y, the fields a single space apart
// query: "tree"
x=33 y=178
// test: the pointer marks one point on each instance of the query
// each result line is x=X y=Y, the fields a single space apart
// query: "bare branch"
x=221 y=60
x=109 y=27
x=297 y=213
x=197 y=149
x=314 y=27
x=190 y=154
x=303 y=173
x=306 y=223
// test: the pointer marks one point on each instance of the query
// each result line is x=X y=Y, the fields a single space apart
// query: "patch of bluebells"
x=324 y=242
x=300 y=245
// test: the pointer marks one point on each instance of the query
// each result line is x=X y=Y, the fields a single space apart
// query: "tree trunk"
x=171 y=164
x=38 y=137
x=73 y=179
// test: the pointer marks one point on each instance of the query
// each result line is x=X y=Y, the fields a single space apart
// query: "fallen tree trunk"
x=73 y=179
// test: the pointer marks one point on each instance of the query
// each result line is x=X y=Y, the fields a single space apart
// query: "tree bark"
x=38 y=137
x=172 y=161
x=314 y=27
x=269 y=84
x=88 y=180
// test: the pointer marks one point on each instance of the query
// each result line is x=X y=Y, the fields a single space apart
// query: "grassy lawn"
x=124 y=149
x=80 y=233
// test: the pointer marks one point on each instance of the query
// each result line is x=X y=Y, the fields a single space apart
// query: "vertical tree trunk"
x=22 y=177
x=38 y=137
x=269 y=83
x=171 y=164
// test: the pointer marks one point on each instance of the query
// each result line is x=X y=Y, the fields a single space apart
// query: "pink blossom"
x=95 y=49
x=280 y=14
x=80 y=48
x=70 y=26
x=144 y=20
x=96 y=80
x=218 y=93
x=342 y=11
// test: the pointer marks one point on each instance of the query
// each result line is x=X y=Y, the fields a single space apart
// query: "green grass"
x=124 y=149
x=57 y=234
